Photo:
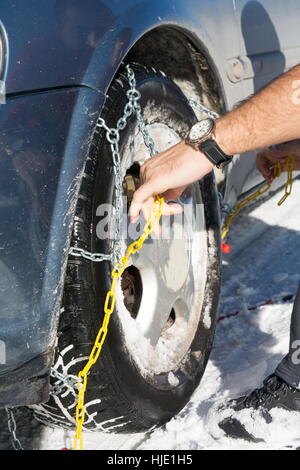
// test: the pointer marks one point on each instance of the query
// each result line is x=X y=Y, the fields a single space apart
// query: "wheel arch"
x=183 y=57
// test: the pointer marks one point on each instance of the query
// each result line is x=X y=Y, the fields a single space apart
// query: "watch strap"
x=214 y=153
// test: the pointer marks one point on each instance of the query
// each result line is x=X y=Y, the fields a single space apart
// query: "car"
x=70 y=70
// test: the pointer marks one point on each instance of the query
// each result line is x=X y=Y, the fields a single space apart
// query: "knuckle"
x=143 y=171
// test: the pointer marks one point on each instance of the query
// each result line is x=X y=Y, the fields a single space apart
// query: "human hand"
x=266 y=159
x=168 y=174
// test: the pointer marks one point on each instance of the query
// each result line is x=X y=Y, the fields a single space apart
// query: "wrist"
x=223 y=136
x=202 y=137
x=200 y=163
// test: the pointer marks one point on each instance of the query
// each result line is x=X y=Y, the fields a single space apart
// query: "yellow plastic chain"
x=289 y=184
x=109 y=306
x=119 y=268
x=290 y=165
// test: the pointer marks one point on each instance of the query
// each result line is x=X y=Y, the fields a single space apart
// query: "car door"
x=270 y=41
x=269 y=45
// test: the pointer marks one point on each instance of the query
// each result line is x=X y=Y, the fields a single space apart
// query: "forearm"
x=270 y=117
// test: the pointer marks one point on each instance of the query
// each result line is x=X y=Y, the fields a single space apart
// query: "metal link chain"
x=69 y=382
x=95 y=257
x=12 y=427
x=131 y=108
x=149 y=142
x=113 y=137
x=238 y=207
x=289 y=183
x=212 y=114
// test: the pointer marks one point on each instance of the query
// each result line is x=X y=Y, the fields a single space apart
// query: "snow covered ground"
x=264 y=264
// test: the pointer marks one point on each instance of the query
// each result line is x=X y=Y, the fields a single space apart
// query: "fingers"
x=266 y=160
x=172 y=209
x=143 y=194
x=264 y=165
x=287 y=148
x=168 y=210
x=143 y=198
x=277 y=155
x=168 y=173
x=280 y=153
x=147 y=209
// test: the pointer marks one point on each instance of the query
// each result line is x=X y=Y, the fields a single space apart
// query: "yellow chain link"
x=289 y=184
x=290 y=165
x=119 y=268
x=109 y=306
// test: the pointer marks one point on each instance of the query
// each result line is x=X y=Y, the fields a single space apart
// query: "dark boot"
x=275 y=405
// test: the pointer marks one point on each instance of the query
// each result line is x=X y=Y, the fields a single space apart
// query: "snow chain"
x=119 y=262
x=113 y=136
x=109 y=306
x=12 y=427
x=290 y=165
x=132 y=108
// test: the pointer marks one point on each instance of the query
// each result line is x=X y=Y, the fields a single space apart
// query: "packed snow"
x=260 y=278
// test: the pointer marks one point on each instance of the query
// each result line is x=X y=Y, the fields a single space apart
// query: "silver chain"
x=69 y=382
x=212 y=114
x=131 y=108
x=225 y=208
x=113 y=137
x=95 y=257
x=12 y=427
x=149 y=142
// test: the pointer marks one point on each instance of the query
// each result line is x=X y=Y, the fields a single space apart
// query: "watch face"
x=201 y=129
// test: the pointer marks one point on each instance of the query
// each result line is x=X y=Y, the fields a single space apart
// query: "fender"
x=45 y=138
x=74 y=43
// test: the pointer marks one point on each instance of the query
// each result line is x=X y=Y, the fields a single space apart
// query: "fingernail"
x=133 y=219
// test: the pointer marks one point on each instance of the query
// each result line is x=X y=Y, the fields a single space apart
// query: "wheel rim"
x=159 y=299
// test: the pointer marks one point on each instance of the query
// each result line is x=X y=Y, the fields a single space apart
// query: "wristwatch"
x=202 y=137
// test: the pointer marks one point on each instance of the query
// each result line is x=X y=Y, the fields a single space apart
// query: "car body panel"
x=88 y=49
x=61 y=62
x=44 y=142
x=268 y=47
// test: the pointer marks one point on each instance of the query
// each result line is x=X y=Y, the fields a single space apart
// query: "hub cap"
x=160 y=296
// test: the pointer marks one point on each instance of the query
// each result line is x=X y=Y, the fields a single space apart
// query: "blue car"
x=66 y=172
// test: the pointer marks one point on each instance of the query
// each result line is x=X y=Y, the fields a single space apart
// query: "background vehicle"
x=62 y=64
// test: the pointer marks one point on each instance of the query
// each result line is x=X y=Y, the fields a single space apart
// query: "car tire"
x=123 y=394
